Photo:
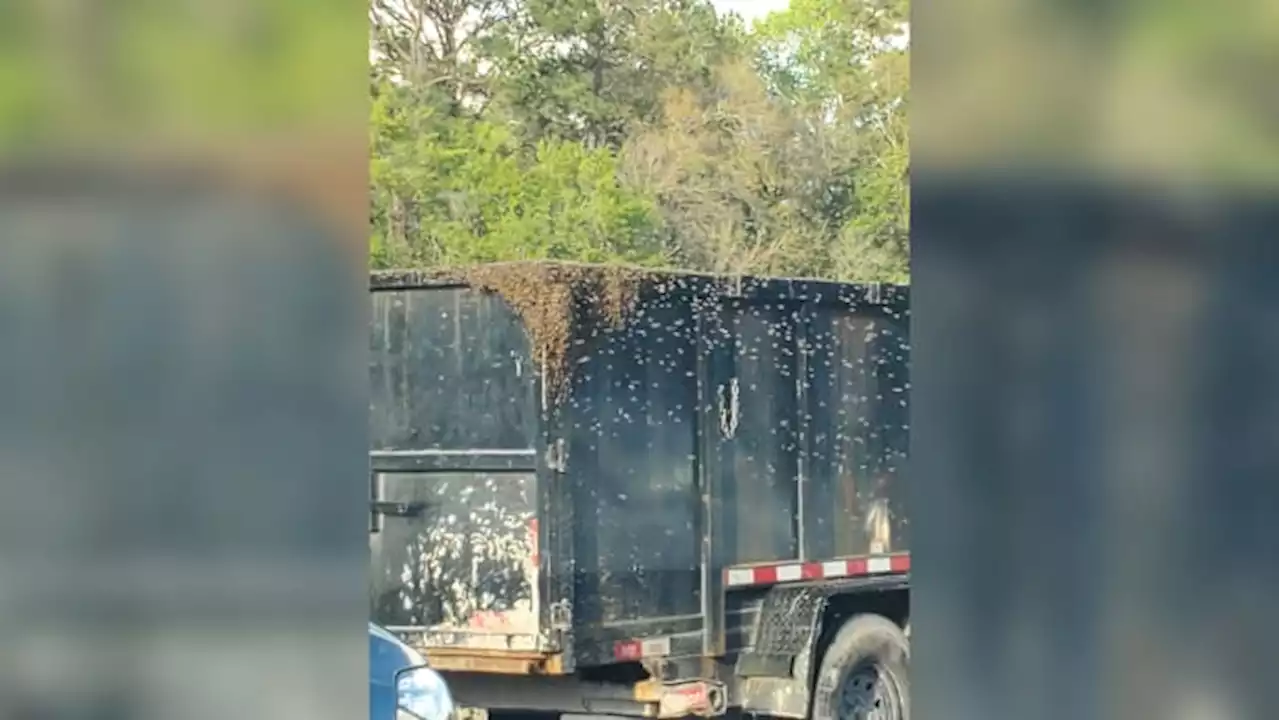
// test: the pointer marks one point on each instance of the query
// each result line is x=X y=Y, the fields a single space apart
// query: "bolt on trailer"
x=609 y=491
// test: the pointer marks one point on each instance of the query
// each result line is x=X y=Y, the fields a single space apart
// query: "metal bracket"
x=699 y=698
x=561 y=615
x=379 y=509
x=398 y=509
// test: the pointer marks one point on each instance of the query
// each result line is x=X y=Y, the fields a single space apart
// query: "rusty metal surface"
x=480 y=660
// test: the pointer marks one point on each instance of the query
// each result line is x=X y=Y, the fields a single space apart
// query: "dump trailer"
x=607 y=491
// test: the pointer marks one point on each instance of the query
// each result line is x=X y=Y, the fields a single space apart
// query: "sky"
x=750 y=9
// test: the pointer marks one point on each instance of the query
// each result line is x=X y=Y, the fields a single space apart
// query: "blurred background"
x=1094 y=285
x=183 y=390
x=191 y=193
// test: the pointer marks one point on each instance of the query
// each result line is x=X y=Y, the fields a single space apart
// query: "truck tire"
x=863 y=675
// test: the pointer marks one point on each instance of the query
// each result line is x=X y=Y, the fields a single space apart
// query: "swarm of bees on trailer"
x=564 y=307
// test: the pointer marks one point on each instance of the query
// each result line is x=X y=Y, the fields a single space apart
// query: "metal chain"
x=729 y=410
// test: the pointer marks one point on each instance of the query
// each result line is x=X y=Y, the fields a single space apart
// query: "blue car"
x=401 y=686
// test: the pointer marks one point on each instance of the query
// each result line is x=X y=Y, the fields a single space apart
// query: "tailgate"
x=453 y=423
x=454 y=557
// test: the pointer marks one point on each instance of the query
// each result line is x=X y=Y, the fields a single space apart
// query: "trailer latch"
x=398 y=509
x=557 y=457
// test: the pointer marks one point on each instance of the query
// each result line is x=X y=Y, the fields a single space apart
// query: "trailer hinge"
x=558 y=456
x=561 y=616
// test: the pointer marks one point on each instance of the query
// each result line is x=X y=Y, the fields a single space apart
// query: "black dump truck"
x=613 y=492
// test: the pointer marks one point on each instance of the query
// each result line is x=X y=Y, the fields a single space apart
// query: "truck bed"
x=570 y=460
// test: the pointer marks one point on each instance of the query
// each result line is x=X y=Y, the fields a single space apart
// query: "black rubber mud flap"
x=868 y=650
x=787 y=627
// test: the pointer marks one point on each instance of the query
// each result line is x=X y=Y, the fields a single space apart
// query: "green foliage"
x=846 y=66
x=643 y=131
x=449 y=191
x=738 y=178
x=73 y=73
x=590 y=70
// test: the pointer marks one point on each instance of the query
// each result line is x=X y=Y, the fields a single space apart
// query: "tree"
x=449 y=191
x=589 y=69
x=441 y=48
x=845 y=66
x=645 y=131
x=741 y=180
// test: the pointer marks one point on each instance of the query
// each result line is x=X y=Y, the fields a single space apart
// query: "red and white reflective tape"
x=534 y=558
x=637 y=649
x=827 y=569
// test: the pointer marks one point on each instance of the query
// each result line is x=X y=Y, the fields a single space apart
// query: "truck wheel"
x=863 y=675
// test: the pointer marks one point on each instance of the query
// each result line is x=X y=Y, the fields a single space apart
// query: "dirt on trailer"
x=562 y=305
